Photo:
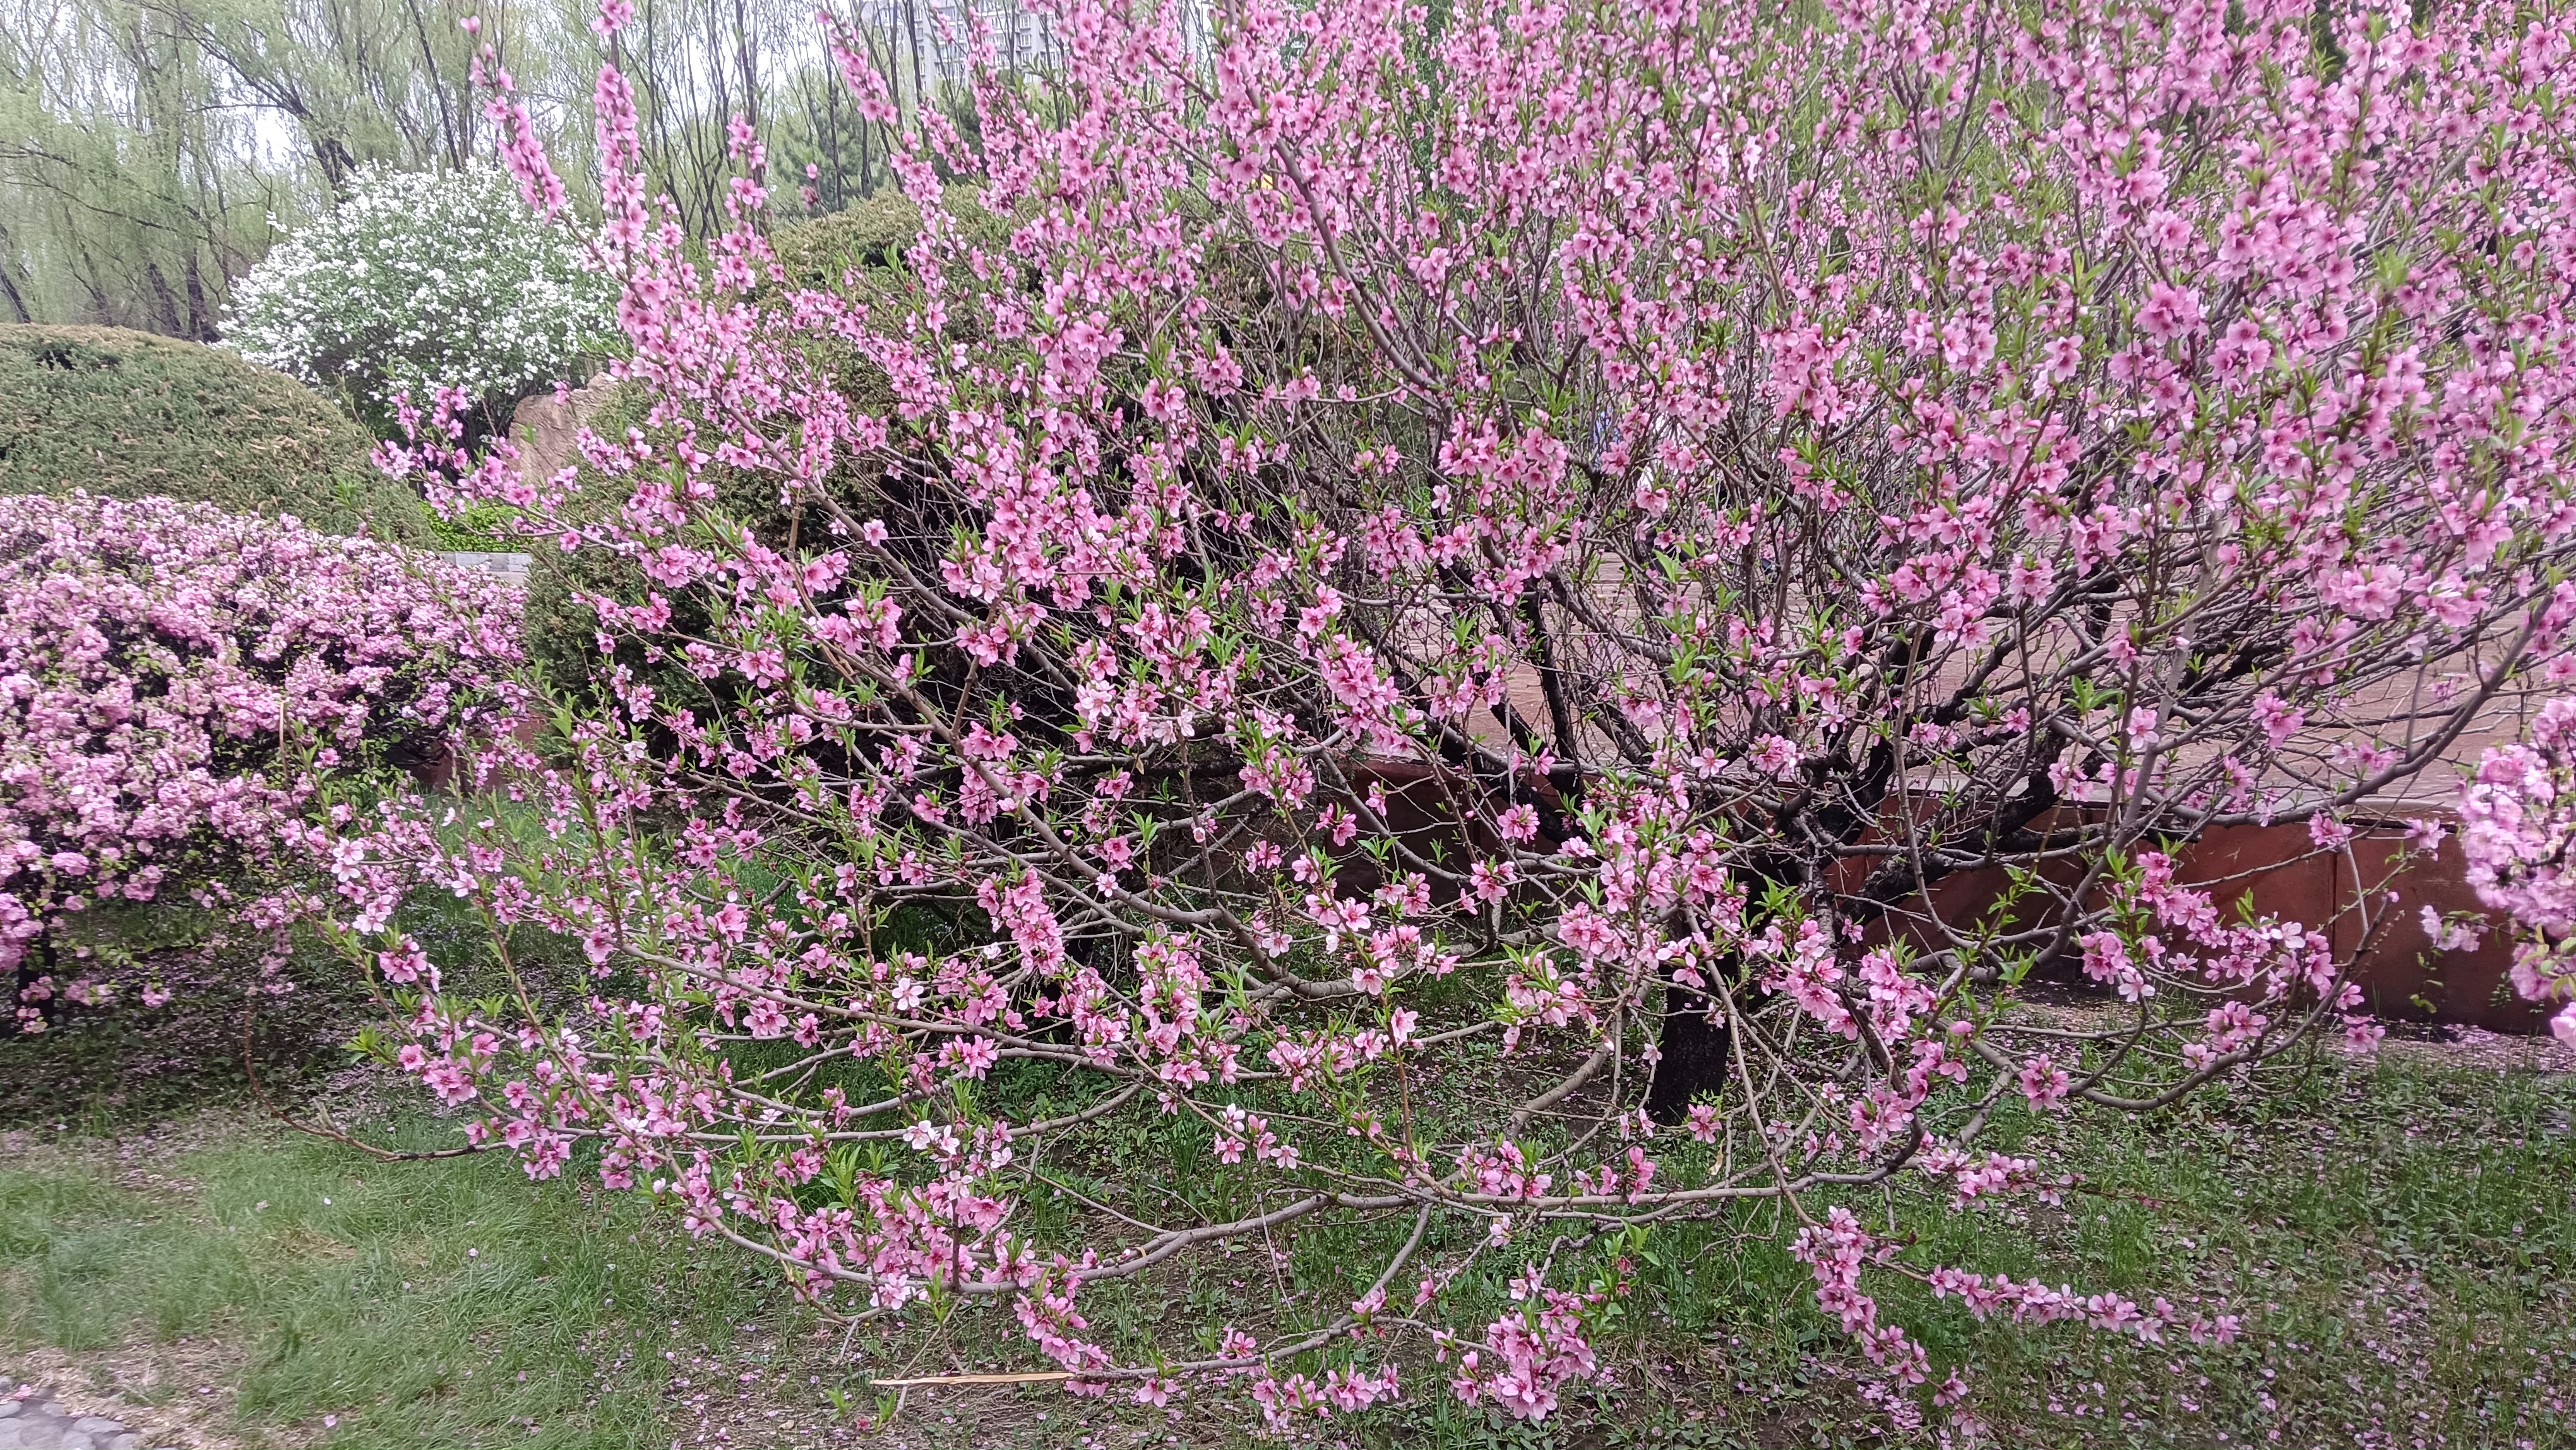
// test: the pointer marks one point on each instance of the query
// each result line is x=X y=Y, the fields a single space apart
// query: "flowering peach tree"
x=1448 y=610
x=176 y=685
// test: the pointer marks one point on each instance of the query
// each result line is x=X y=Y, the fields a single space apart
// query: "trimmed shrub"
x=870 y=235
x=123 y=414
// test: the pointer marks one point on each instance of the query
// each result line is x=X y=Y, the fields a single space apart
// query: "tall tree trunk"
x=201 y=318
x=1697 y=1056
x=9 y=286
x=920 y=81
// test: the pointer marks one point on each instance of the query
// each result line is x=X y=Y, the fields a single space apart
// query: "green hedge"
x=127 y=414
x=561 y=633
x=870 y=236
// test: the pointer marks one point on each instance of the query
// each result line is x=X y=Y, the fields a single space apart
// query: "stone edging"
x=32 y=1419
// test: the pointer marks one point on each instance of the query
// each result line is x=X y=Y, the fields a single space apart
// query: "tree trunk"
x=1697 y=1056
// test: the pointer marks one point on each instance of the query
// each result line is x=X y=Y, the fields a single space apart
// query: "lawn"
x=2397 y=1235
x=257 y=1286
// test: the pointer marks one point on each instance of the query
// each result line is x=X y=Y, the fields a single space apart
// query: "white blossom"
x=422 y=279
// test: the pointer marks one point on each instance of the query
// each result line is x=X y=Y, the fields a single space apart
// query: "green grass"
x=99 y=1073
x=2397 y=1236
x=414 y=1303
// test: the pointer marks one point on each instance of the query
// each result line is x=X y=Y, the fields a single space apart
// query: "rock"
x=545 y=428
x=509 y=568
x=37 y=1423
x=40 y=1423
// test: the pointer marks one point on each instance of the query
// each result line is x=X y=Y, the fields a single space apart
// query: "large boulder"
x=547 y=427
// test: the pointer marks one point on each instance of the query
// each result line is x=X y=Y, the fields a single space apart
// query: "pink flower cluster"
x=1693 y=548
x=2517 y=825
x=1528 y=1356
x=174 y=683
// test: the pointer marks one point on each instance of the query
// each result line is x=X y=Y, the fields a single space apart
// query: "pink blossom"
x=1228 y=507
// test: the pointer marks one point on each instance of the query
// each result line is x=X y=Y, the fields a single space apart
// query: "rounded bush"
x=179 y=684
x=426 y=280
x=122 y=414
x=869 y=235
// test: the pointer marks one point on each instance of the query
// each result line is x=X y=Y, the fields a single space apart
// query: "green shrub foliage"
x=856 y=252
x=123 y=414
x=869 y=236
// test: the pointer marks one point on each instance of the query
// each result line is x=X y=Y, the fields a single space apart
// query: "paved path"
x=31 y=1419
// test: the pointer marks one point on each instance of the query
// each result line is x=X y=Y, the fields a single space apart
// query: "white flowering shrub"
x=424 y=280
